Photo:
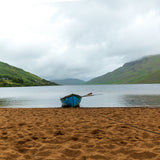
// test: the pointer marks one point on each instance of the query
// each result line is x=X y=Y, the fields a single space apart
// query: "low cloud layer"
x=77 y=38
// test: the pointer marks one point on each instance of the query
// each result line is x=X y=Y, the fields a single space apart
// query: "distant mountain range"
x=145 y=70
x=11 y=76
x=69 y=81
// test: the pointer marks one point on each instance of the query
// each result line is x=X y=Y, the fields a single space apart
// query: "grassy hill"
x=145 y=70
x=12 y=76
x=69 y=81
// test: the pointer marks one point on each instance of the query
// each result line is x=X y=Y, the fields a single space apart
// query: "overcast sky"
x=83 y=39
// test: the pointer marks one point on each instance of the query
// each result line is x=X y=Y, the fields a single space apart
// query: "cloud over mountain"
x=77 y=38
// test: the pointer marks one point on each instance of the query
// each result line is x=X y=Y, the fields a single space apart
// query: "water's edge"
x=141 y=95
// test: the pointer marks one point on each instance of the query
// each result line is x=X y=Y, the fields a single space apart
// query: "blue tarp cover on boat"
x=71 y=100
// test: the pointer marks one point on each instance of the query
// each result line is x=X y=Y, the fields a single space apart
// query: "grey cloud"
x=89 y=38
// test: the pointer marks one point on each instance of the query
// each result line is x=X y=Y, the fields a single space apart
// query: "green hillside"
x=145 y=70
x=12 y=76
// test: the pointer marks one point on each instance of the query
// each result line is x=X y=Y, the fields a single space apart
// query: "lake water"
x=141 y=95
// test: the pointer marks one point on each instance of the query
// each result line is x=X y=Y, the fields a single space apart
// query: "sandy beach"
x=80 y=134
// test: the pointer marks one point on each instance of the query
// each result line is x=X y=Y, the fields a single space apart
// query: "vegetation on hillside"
x=12 y=76
x=145 y=70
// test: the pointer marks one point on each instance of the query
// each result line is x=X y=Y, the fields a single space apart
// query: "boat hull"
x=72 y=100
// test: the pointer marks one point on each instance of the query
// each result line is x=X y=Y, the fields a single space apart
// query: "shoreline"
x=79 y=133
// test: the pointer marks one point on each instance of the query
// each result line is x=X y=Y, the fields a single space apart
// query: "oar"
x=89 y=94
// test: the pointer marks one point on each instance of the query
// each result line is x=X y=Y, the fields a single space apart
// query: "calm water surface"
x=142 y=95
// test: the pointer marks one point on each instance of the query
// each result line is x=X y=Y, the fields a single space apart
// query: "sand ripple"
x=79 y=134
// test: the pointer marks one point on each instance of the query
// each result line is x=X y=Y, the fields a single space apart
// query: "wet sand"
x=80 y=134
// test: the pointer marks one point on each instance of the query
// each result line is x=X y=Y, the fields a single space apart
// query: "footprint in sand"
x=76 y=146
x=72 y=152
x=98 y=157
x=143 y=155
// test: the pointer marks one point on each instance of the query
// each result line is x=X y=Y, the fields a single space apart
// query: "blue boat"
x=71 y=100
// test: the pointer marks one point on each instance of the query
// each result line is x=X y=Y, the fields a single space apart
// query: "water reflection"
x=105 y=96
x=115 y=101
x=142 y=100
x=26 y=103
x=6 y=102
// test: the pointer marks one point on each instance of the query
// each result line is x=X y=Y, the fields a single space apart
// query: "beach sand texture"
x=80 y=134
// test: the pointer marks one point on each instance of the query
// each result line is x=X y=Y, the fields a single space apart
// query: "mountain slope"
x=69 y=81
x=13 y=76
x=145 y=70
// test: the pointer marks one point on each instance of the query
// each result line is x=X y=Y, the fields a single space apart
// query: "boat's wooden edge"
x=70 y=96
